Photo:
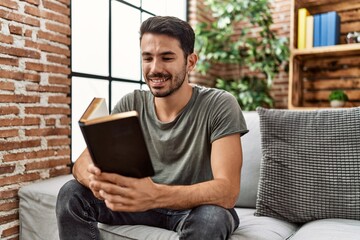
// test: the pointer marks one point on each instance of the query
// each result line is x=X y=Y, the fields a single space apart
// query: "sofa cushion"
x=261 y=228
x=113 y=232
x=251 y=227
x=311 y=164
x=37 y=209
x=251 y=146
x=326 y=229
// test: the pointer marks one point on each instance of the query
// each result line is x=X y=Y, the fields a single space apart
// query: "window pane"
x=120 y=89
x=175 y=8
x=82 y=92
x=134 y=2
x=125 y=42
x=89 y=47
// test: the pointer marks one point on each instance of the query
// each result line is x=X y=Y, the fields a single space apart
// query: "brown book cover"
x=116 y=142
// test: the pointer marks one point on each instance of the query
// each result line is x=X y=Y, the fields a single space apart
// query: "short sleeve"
x=227 y=117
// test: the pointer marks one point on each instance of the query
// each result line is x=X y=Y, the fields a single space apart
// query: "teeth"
x=158 y=80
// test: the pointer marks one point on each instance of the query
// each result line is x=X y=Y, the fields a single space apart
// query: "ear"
x=191 y=62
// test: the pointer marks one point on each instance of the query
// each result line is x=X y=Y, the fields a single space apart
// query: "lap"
x=81 y=199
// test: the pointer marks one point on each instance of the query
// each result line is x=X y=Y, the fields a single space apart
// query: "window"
x=105 y=57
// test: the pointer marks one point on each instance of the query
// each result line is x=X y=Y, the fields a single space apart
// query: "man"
x=195 y=149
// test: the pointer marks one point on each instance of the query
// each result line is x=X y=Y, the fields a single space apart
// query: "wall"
x=281 y=16
x=34 y=99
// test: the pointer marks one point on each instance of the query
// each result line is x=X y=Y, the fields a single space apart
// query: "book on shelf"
x=317 y=30
x=324 y=29
x=115 y=142
x=333 y=20
x=309 y=31
x=302 y=14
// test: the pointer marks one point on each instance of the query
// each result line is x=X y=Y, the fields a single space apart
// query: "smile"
x=158 y=80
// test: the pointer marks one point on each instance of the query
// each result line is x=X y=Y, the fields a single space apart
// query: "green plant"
x=250 y=92
x=339 y=95
x=221 y=42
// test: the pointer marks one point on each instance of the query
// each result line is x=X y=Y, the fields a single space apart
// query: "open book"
x=116 y=142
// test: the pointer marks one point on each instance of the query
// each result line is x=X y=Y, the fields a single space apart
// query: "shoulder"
x=131 y=101
x=215 y=96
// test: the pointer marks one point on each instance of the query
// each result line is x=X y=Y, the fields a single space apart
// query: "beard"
x=176 y=82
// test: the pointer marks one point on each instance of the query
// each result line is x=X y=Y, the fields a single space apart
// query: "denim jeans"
x=78 y=213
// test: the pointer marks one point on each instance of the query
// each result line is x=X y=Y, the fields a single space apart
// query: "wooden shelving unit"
x=314 y=72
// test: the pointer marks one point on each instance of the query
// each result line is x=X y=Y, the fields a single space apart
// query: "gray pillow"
x=250 y=172
x=311 y=164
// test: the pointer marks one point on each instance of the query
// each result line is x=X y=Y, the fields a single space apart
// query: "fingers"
x=94 y=170
x=105 y=184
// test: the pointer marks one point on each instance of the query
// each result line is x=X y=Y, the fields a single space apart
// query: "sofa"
x=300 y=181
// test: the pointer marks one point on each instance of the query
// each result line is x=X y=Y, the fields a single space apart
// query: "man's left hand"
x=125 y=193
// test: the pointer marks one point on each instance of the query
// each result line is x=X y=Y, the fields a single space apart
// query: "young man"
x=193 y=136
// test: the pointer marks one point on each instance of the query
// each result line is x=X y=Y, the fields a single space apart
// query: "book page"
x=100 y=111
x=96 y=109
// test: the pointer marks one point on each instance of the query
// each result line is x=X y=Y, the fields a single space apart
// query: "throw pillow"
x=310 y=167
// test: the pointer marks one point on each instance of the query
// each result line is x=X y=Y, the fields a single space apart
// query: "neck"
x=168 y=108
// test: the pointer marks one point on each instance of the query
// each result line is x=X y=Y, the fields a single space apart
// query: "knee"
x=212 y=215
x=68 y=190
x=209 y=222
x=68 y=193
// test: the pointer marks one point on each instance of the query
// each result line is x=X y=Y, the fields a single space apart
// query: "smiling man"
x=193 y=135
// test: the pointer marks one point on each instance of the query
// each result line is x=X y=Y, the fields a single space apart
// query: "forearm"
x=219 y=192
x=80 y=172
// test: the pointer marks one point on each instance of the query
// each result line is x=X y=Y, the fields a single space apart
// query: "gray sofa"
x=265 y=208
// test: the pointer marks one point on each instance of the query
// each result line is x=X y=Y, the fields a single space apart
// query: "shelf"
x=314 y=4
x=337 y=50
x=315 y=72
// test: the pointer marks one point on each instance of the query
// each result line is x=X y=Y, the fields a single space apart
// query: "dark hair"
x=173 y=27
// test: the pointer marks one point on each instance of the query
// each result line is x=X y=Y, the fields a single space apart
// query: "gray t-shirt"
x=180 y=150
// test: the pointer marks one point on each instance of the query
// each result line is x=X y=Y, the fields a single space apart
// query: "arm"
x=129 y=194
x=226 y=162
x=80 y=167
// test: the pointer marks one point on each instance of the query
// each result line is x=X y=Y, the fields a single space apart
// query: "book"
x=309 y=31
x=302 y=14
x=115 y=142
x=333 y=28
x=324 y=29
x=317 y=30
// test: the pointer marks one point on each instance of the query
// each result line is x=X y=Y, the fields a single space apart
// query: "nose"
x=156 y=66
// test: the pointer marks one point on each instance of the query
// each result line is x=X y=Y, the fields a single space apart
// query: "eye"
x=147 y=59
x=167 y=59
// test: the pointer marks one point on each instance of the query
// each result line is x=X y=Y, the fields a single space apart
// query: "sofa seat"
x=329 y=229
x=251 y=227
x=38 y=219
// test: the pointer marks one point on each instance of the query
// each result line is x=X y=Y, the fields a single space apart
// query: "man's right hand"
x=80 y=168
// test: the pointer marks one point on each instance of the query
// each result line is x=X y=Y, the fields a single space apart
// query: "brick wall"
x=34 y=99
x=281 y=16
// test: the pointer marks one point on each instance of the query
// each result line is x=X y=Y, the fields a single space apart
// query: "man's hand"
x=123 y=193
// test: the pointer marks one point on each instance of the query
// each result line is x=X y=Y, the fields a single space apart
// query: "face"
x=164 y=65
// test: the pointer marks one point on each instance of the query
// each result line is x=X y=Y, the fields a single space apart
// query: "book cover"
x=324 y=30
x=302 y=14
x=333 y=28
x=317 y=30
x=116 y=142
x=309 y=31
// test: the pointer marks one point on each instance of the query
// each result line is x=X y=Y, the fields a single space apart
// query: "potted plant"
x=222 y=41
x=338 y=98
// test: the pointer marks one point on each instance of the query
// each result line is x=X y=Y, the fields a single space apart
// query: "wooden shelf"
x=337 y=50
x=315 y=72
x=315 y=5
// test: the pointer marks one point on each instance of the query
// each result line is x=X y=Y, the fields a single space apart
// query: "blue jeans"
x=78 y=213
